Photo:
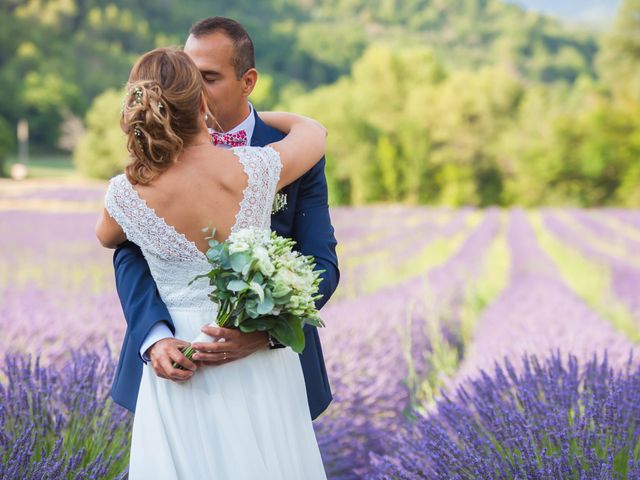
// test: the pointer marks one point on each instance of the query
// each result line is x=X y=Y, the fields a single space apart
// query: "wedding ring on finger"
x=224 y=355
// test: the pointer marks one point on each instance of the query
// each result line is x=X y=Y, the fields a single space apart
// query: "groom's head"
x=223 y=52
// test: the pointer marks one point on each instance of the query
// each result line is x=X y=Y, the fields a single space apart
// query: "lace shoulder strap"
x=262 y=166
x=123 y=204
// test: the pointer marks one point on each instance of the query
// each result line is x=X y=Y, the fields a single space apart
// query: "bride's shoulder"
x=119 y=180
x=119 y=185
x=267 y=155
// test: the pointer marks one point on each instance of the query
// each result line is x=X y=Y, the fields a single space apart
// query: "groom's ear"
x=249 y=80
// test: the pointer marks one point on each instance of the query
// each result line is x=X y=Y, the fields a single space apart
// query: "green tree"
x=600 y=148
x=7 y=143
x=101 y=152
x=466 y=118
x=369 y=146
x=619 y=60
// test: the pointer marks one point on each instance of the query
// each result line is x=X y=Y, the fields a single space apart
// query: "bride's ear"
x=204 y=106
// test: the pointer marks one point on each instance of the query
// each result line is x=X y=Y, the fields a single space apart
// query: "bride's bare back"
x=203 y=188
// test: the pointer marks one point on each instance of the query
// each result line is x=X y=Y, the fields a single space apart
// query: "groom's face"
x=227 y=94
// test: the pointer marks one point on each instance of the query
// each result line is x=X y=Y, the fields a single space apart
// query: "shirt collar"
x=248 y=125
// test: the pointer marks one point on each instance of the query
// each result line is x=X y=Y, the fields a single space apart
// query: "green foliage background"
x=458 y=102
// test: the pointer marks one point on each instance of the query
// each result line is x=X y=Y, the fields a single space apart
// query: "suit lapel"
x=261 y=135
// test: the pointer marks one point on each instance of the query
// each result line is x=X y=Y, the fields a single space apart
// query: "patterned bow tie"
x=235 y=139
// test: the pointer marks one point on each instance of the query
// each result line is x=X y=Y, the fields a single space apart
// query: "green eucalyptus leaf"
x=252 y=309
x=221 y=284
x=257 y=288
x=215 y=250
x=239 y=261
x=247 y=268
x=237 y=285
x=266 y=305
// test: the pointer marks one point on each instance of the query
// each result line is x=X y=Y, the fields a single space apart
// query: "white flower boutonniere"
x=279 y=202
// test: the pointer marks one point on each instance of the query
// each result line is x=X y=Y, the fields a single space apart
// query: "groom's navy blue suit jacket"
x=305 y=219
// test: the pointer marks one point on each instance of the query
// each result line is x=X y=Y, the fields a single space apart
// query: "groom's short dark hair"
x=244 y=57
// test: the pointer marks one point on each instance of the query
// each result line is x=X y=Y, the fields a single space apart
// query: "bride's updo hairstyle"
x=160 y=112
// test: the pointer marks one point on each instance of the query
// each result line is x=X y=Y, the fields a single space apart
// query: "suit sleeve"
x=141 y=303
x=313 y=231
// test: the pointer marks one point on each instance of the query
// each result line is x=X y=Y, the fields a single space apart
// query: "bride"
x=248 y=419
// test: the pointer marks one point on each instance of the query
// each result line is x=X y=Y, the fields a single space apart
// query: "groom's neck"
x=236 y=119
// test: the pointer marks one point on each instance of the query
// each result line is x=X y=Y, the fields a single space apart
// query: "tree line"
x=458 y=102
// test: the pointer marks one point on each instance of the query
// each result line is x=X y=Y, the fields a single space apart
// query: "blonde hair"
x=160 y=111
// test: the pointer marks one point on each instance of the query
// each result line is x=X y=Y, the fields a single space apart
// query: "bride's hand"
x=236 y=345
x=166 y=351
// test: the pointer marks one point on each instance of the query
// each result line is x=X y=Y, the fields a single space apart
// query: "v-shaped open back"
x=175 y=260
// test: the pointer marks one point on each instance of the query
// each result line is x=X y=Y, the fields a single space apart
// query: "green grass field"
x=47 y=166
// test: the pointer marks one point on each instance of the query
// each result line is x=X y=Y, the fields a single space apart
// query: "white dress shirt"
x=160 y=330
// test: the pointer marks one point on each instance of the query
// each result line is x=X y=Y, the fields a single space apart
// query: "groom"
x=224 y=54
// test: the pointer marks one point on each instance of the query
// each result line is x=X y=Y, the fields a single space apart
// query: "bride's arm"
x=302 y=148
x=108 y=231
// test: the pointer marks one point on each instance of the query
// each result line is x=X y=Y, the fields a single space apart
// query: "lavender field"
x=431 y=301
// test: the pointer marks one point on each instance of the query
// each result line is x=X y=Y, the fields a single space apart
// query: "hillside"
x=55 y=59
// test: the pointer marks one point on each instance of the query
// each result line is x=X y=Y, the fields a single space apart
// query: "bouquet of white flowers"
x=261 y=284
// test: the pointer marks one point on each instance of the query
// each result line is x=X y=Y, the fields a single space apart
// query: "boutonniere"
x=279 y=202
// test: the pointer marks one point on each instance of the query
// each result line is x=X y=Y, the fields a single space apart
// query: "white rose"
x=264 y=262
x=237 y=247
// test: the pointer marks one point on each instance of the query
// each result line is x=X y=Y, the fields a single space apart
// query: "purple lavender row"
x=402 y=251
x=391 y=234
x=538 y=313
x=391 y=240
x=56 y=285
x=364 y=216
x=629 y=217
x=445 y=287
x=75 y=194
x=448 y=284
x=607 y=233
x=59 y=423
x=37 y=230
x=625 y=277
x=526 y=417
x=53 y=252
x=545 y=419
x=465 y=264
x=364 y=360
x=419 y=239
x=50 y=321
x=366 y=366
x=362 y=222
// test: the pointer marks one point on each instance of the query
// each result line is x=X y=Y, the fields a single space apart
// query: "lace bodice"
x=173 y=259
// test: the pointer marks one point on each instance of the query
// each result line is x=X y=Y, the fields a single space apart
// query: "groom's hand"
x=166 y=351
x=236 y=345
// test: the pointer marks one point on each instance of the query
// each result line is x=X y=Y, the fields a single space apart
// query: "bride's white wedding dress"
x=245 y=420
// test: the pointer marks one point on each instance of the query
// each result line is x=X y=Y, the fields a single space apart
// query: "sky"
x=596 y=12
